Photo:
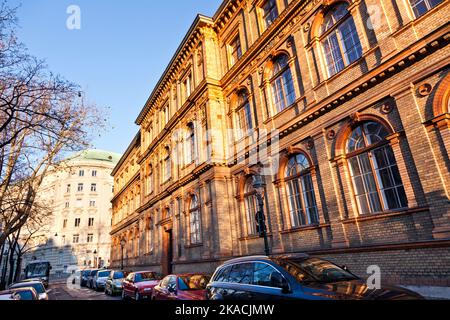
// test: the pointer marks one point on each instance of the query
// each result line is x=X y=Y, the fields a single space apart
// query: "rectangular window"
x=270 y=12
x=235 y=50
x=91 y=222
x=150 y=183
x=67 y=205
x=93 y=187
x=92 y=203
x=81 y=173
x=420 y=7
x=80 y=187
x=65 y=223
x=68 y=188
x=76 y=238
x=166 y=114
x=90 y=238
x=187 y=87
x=77 y=222
x=94 y=173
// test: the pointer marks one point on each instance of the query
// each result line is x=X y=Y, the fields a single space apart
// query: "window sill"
x=191 y=246
x=306 y=228
x=384 y=215
x=253 y=237
x=290 y=107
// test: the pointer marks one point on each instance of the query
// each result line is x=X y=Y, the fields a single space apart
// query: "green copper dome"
x=96 y=155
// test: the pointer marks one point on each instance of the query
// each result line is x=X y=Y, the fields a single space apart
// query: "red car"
x=182 y=287
x=139 y=285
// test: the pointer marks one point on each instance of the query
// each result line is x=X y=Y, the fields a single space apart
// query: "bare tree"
x=41 y=119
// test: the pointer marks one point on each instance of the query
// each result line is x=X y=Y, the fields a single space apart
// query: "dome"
x=96 y=155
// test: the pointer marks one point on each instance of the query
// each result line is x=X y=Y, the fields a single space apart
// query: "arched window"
x=420 y=7
x=376 y=179
x=282 y=83
x=195 y=221
x=340 y=41
x=149 y=235
x=244 y=114
x=149 y=185
x=190 y=144
x=300 y=192
x=167 y=165
x=251 y=207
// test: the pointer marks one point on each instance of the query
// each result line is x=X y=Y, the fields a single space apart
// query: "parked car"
x=37 y=285
x=84 y=278
x=114 y=283
x=9 y=296
x=90 y=279
x=182 y=287
x=99 y=281
x=26 y=293
x=139 y=285
x=294 y=277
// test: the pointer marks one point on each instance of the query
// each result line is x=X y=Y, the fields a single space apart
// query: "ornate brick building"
x=345 y=103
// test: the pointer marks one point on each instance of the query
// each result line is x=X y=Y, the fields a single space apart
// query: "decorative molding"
x=424 y=89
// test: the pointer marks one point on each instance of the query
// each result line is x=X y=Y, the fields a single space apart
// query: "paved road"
x=62 y=291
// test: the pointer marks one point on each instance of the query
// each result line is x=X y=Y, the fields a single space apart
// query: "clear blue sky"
x=118 y=55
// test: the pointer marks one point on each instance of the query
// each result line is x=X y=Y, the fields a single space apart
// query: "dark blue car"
x=296 y=276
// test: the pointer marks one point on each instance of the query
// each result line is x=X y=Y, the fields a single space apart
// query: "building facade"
x=78 y=195
x=346 y=106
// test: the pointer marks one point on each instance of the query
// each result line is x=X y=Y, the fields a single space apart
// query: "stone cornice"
x=184 y=51
x=200 y=91
x=136 y=177
x=133 y=145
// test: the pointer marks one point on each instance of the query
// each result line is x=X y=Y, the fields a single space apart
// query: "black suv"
x=295 y=276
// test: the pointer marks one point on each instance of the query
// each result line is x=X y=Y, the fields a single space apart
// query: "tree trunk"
x=18 y=272
x=4 y=271
x=12 y=261
x=2 y=250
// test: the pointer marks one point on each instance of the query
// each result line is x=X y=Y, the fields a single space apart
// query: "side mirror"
x=278 y=281
x=345 y=268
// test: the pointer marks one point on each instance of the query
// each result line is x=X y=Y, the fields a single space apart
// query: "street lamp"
x=122 y=245
x=259 y=185
x=95 y=258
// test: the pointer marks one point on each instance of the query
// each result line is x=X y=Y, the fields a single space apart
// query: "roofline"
x=221 y=8
x=130 y=148
x=198 y=19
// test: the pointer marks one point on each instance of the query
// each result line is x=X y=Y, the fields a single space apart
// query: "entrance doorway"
x=168 y=253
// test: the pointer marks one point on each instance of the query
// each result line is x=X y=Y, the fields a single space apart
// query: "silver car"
x=99 y=281
x=37 y=285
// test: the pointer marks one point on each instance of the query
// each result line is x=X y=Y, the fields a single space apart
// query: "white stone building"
x=80 y=200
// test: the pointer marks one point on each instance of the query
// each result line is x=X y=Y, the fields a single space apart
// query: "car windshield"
x=193 y=282
x=26 y=295
x=119 y=275
x=86 y=273
x=145 y=276
x=93 y=273
x=37 y=286
x=315 y=270
x=103 y=274
x=36 y=270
